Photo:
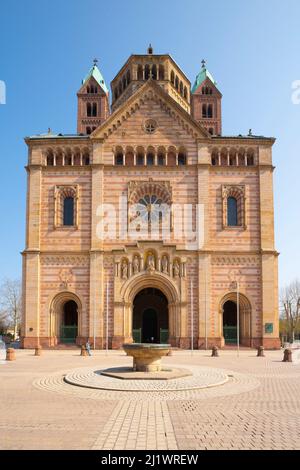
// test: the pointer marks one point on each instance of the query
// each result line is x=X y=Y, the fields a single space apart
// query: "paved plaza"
x=257 y=407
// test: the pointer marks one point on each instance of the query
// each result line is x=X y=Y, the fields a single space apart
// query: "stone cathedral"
x=148 y=224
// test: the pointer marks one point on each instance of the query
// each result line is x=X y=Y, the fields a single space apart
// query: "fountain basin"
x=147 y=356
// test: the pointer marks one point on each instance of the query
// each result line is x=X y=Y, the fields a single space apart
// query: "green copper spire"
x=95 y=72
x=202 y=76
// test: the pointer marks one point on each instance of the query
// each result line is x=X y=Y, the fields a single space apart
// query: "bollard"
x=83 y=350
x=38 y=351
x=260 y=351
x=170 y=353
x=10 y=354
x=287 y=355
x=215 y=351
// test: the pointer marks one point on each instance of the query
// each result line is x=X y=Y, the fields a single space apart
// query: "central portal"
x=150 y=317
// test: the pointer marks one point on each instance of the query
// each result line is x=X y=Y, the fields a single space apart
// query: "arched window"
x=181 y=88
x=50 y=160
x=204 y=111
x=172 y=78
x=92 y=89
x=68 y=216
x=182 y=157
x=154 y=72
x=211 y=131
x=232 y=212
x=88 y=130
x=120 y=88
x=147 y=72
x=124 y=83
x=177 y=83
x=128 y=77
x=250 y=160
x=88 y=89
x=88 y=109
x=140 y=72
x=94 y=109
x=210 y=111
x=116 y=93
x=150 y=159
x=94 y=128
x=119 y=161
x=161 y=72
x=185 y=93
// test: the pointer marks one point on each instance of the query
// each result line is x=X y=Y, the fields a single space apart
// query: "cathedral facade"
x=148 y=224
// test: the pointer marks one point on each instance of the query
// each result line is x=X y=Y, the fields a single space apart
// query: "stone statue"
x=176 y=268
x=136 y=265
x=124 y=270
x=151 y=263
x=165 y=264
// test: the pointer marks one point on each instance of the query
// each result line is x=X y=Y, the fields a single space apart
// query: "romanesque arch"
x=162 y=283
x=65 y=311
x=228 y=319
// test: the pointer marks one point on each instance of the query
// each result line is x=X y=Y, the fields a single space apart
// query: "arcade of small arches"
x=232 y=156
x=153 y=71
x=60 y=156
x=141 y=156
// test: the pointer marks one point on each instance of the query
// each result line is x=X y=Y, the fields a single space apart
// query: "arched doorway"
x=69 y=324
x=230 y=322
x=150 y=317
x=229 y=319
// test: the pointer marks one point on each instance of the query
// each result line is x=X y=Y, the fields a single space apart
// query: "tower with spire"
x=93 y=101
x=206 y=101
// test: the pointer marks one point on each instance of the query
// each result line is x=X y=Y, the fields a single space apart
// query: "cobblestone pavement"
x=258 y=408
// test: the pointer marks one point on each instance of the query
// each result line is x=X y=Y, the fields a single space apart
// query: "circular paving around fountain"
x=200 y=378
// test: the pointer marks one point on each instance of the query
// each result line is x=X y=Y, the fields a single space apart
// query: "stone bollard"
x=10 y=354
x=83 y=350
x=38 y=351
x=260 y=351
x=215 y=351
x=287 y=355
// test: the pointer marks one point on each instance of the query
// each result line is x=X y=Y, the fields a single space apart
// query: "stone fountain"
x=147 y=356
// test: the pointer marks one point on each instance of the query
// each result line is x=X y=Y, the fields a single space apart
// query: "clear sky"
x=252 y=49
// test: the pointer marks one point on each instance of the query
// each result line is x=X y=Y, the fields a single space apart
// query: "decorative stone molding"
x=138 y=189
x=249 y=261
x=65 y=260
x=66 y=277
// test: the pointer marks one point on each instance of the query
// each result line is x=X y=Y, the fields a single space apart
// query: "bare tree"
x=290 y=307
x=10 y=304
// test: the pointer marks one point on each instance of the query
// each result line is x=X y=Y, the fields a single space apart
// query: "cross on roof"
x=95 y=61
x=203 y=62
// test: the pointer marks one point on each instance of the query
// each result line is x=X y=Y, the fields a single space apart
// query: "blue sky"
x=251 y=48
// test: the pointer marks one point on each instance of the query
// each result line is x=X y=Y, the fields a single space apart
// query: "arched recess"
x=228 y=314
x=161 y=282
x=57 y=313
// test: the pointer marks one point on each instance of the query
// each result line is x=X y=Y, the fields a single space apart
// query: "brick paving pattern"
x=259 y=407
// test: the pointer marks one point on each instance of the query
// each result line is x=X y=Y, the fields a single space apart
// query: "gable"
x=141 y=106
x=207 y=83
x=91 y=81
